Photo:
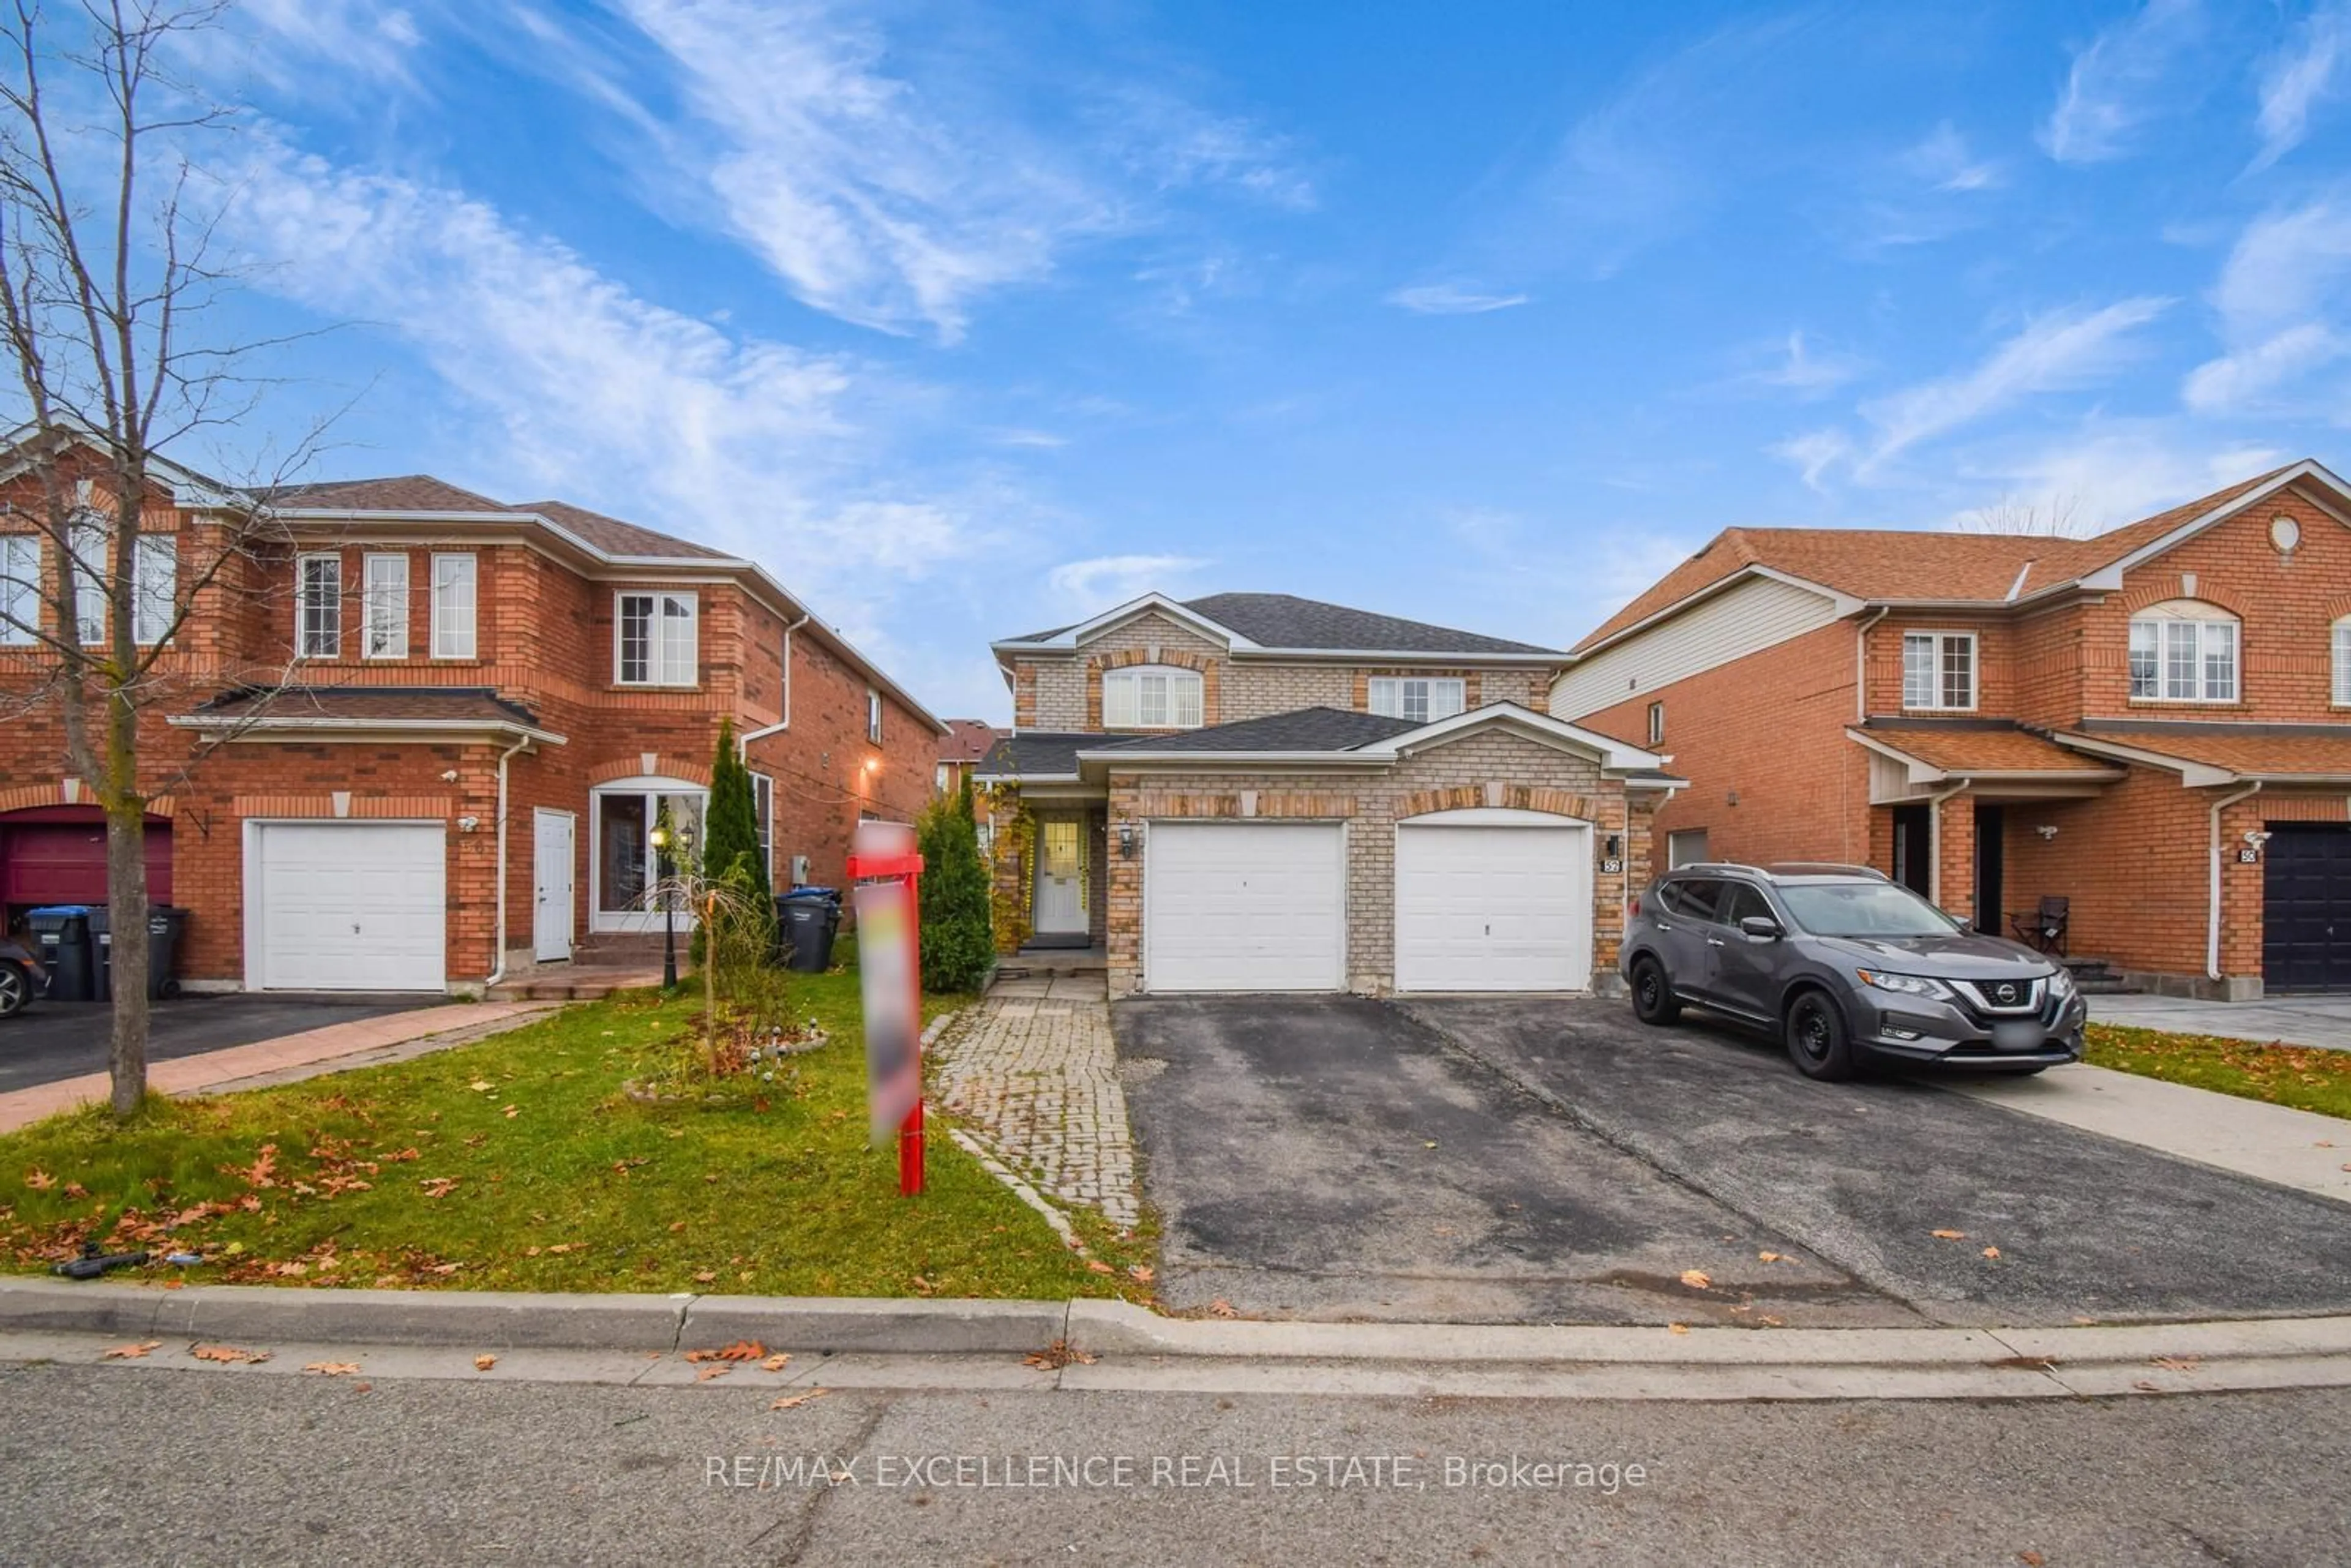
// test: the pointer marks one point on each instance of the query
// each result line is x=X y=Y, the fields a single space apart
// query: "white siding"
x=1749 y=618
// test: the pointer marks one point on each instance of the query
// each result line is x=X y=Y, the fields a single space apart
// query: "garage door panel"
x=2306 y=908
x=1244 y=907
x=1493 y=908
x=352 y=907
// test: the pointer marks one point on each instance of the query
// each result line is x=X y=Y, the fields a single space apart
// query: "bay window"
x=1423 y=701
x=2184 y=651
x=1151 y=697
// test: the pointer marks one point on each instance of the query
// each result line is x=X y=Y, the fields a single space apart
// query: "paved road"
x=53 y=1041
x=1582 y=1162
x=119 y=1465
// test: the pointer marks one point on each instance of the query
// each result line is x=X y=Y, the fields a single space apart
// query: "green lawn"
x=2301 y=1076
x=517 y=1164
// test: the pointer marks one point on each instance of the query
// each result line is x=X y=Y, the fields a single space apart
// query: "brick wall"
x=1487 y=769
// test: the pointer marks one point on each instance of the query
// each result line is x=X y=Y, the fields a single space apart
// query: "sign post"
x=887 y=872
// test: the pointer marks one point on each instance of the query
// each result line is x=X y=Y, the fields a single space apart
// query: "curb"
x=483 y=1320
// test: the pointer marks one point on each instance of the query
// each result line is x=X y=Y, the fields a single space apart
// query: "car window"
x=1864 y=909
x=1741 y=902
x=1695 y=898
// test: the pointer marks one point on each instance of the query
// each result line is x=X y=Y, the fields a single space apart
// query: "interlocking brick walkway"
x=1032 y=1072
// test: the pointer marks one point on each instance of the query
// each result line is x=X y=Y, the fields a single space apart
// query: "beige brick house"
x=1254 y=792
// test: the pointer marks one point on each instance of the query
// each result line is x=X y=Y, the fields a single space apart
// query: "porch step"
x=2096 y=978
x=576 y=983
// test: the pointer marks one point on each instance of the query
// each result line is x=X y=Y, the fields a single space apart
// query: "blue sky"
x=972 y=318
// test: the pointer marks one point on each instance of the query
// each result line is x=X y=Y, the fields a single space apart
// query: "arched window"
x=2343 y=661
x=2183 y=651
x=1151 y=697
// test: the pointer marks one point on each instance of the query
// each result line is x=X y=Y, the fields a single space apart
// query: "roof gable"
x=1283 y=623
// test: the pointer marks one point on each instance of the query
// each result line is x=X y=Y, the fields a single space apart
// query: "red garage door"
x=57 y=854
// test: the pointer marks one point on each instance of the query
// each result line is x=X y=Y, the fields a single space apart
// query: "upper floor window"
x=1151 y=697
x=1656 y=724
x=20 y=588
x=2183 y=651
x=763 y=812
x=1423 y=701
x=384 y=592
x=654 y=638
x=2343 y=661
x=453 y=606
x=874 y=715
x=1939 y=669
x=318 y=606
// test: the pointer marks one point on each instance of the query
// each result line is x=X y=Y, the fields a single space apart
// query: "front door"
x=551 y=880
x=1991 y=859
x=1914 y=848
x=627 y=868
x=1061 y=876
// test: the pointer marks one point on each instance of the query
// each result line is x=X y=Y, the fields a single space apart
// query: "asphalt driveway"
x=1539 y=1160
x=53 y=1041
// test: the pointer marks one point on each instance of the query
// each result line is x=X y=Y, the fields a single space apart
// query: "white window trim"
x=301 y=603
x=655 y=671
x=1180 y=680
x=445 y=628
x=1656 y=724
x=2201 y=615
x=398 y=619
x=1975 y=671
x=89 y=535
x=633 y=920
x=1394 y=687
x=20 y=590
x=873 y=715
x=763 y=813
x=153 y=605
x=2339 y=639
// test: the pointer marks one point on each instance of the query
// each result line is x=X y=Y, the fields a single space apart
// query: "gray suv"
x=1843 y=965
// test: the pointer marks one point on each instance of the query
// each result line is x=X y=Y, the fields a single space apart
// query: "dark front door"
x=1991 y=854
x=1914 y=848
x=2306 y=908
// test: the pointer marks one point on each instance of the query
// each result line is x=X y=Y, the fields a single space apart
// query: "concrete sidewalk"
x=360 y=1043
x=2293 y=1148
x=2321 y=1021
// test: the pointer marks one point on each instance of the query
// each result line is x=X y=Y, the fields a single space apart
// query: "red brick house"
x=430 y=731
x=966 y=742
x=2153 y=724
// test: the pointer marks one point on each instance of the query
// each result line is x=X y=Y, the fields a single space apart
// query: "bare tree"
x=107 y=269
x=2058 y=517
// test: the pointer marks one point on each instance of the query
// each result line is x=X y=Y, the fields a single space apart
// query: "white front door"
x=551 y=887
x=1244 y=906
x=1484 y=905
x=347 y=906
x=1061 y=876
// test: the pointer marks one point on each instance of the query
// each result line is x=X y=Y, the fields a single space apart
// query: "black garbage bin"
x=102 y=952
x=165 y=923
x=810 y=917
x=63 y=932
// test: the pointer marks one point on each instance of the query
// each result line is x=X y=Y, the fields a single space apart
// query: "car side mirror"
x=1760 y=928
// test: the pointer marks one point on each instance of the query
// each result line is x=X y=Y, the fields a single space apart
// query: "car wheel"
x=1817 y=1040
x=16 y=988
x=1653 y=995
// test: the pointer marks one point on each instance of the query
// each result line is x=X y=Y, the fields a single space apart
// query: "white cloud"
x=1808 y=371
x=1451 y=300
x=1943 y=161
x=1089 y=587
x=1814 y=452
x=2234 y=380
x=588 y=391
x=2284 y=282
x=2116 y=473
x=2116 y=83
x=2061 y=349
x=2299 y=77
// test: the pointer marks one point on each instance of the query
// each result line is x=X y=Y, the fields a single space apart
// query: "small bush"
x=958 y=931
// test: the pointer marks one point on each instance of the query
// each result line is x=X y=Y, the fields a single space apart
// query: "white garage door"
x=1244 y=906
x=347 y=907
x=1486 y=905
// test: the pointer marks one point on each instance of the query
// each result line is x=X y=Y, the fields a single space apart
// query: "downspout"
x=499 y=966
x=2212 y=924
x=1861 y=663
x=1933 y=803
x=742 y=741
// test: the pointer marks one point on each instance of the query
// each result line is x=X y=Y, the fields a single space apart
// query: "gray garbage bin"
x=166 y=924
x=810 y=917
x=101 y=954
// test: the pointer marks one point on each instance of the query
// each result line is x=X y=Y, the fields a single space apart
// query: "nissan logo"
x=2004 y=992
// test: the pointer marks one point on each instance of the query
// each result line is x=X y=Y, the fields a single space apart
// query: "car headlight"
x=2060 y=982
x=1932 y=990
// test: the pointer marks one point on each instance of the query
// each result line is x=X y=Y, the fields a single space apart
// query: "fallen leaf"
x=776 y=1363
x=484 y=1363
x=1056 y=1355
x=1948 y=1235
x=229 y=1354
x=676 y=1224
x=1098 y=1267
x=794 y=1401
x=512 y=1112
x=1221 y=1308
x=1678 y=1328
x=1991 y=1252
x=1696 y=1279
x=2143 y=1386
x=1428 y=1143
x=1141 y=1271
x=132 y=1352
x=39 y=1180
x=75 y=1189
x=707 y=1373
x=333 y=1368
x=2030 y=1559
x=438 y=1186
x=1766 y=1256
x=706 y=1276
x=741 y=1350
x=362 y=1387
x=481 y=1086
x=2178 y=1362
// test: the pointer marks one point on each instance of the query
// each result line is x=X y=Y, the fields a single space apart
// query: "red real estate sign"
x=887 y=871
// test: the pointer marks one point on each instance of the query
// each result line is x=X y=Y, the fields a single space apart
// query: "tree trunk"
x=126 y=905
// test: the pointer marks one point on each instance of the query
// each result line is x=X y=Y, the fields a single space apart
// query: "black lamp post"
x=659 y=838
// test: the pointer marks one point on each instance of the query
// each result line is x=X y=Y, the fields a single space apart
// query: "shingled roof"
x=1881 y=564
x=1303 y=729
x=421 y=492
x=614 y=537
x=1286 y=620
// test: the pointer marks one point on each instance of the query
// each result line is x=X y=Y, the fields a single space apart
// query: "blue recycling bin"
x=63 y=932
